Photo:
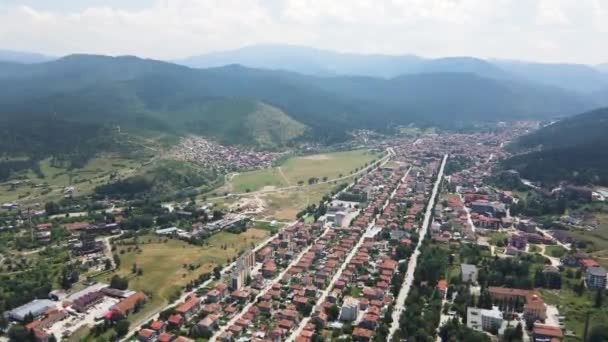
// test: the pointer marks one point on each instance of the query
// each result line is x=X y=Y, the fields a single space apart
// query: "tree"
x=122 y=327
x=119 y=283
x=333 y=312
x=116 y=260
x=599 y=333
x=217 y=272
x=18 y=333
x=307 y=309
x=134 y=268
x=51 y=208
x=580 y=288
x=539 y=278
x=403 y=252
x=68 y=277
x=599 y=298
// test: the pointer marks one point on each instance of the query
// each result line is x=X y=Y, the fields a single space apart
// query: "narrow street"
x=265 y=290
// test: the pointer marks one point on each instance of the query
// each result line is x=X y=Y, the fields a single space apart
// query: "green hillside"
x=574 y=149
x=244 y=122
x=72 y=105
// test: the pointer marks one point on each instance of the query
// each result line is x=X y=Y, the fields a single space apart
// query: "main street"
x=409 y=276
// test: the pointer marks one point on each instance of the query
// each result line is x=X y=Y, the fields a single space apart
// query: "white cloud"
x=551 y=30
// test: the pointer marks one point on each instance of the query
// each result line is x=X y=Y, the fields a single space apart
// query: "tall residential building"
x=596 y=278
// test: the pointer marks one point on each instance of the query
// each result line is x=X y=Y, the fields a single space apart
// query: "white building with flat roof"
x=484 y=319
x=468 y=273
x=36 y=307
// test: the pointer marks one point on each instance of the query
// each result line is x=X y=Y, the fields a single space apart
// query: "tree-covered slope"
x=239 y=121
x=574 y=149
x=239 y=105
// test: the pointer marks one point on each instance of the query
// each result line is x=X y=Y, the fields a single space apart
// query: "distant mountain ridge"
x=255 y=107
x=23 y=57
x=318 y=62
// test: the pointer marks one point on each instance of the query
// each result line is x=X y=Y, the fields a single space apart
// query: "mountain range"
x=574 y=77
x=69 y=105
x=23 y=57
x=574 y=149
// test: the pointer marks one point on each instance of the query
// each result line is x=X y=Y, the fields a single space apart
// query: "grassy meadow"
x=162 y=262
x=300 y=169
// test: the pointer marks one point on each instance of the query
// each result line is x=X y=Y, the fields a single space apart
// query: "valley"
x=280 y=192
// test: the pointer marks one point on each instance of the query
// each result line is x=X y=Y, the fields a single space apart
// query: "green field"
x=97 y=171
x=162 y=262
x=301 y=169
x=330 y=165
x=555 y=251
x=256 y=180
x=498 y=238
x=597 y=239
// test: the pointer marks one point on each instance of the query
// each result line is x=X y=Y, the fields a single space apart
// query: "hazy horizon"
x=555 y=31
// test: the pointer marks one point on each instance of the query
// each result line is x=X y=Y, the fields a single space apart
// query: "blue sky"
x=542 y=30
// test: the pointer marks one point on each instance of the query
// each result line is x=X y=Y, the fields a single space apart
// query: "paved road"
x=265 y=290
x=469 y=220
x=108 y=248
x=409 y=276
x=546 y=234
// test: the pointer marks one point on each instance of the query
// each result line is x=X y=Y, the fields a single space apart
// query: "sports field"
x=298 y=170
x=330 y=165
x=257 y=180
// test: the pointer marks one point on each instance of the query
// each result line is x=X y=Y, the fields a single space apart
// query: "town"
x=425 y=244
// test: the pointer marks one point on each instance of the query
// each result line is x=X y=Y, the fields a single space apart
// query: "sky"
x=571 y=31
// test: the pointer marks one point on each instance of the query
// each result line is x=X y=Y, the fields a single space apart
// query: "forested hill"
x=574 y=149
x=87 y=93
